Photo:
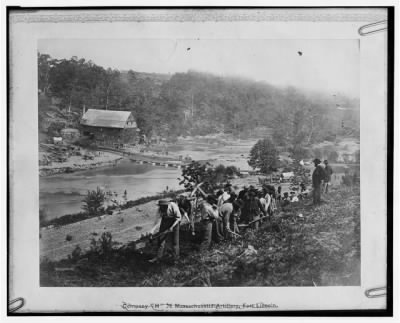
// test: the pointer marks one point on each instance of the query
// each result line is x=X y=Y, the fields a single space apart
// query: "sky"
x=329 y=66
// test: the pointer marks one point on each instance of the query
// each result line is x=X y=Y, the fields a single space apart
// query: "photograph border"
x=389 y=186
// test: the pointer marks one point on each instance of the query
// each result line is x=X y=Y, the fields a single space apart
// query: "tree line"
x=196 y=103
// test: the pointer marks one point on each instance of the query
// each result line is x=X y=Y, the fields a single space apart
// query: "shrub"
x=54 y=129
x=220 y=169
x=232 y=171
x=68 y=237
x=93 y=202
x=76 y=253
x=196 y=173
x=103 y=246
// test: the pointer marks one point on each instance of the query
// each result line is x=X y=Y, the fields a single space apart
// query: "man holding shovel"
x=169 y=220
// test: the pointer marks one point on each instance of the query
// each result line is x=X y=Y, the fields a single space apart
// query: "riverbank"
x=77 y=163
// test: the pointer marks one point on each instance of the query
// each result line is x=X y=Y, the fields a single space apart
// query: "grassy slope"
x=322 y=248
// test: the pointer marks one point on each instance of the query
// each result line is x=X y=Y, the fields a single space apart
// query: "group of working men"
x=219 y=216
x=222 y=214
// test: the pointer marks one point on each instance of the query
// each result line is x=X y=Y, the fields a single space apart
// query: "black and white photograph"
x=200 y=160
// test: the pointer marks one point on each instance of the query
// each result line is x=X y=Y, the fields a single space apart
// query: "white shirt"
x=263 y=202
x=173 y=211
x=208 y=212
x=268 y=201
x=222 y=198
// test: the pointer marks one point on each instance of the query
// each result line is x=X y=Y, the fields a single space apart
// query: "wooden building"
x=110 y=128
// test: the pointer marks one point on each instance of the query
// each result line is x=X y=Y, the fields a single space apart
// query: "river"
x=62 y=194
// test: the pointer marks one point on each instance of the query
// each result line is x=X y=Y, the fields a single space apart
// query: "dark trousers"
x=317 y=195
x=218 y=230
x=170 y=236
x=249 y=216
x=206 y=234
x=326 y=186
x=229 y=223
x=235 y=218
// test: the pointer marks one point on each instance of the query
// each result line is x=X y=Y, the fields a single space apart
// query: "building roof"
x=108 y=119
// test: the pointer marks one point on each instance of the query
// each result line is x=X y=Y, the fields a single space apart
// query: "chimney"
x=83 y=110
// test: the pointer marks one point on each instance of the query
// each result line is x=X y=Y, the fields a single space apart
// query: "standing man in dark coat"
x=318 y=176
x=328 y=176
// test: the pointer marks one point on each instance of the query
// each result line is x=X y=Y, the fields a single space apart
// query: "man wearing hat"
x=318 y=176
x=169 y=219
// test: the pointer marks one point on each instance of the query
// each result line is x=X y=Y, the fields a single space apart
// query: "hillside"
x=191 y=103
x=302 y=246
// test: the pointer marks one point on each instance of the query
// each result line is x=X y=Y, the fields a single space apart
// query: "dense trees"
x=195 y=103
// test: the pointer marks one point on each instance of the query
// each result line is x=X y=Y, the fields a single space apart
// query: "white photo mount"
x=26 y=29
